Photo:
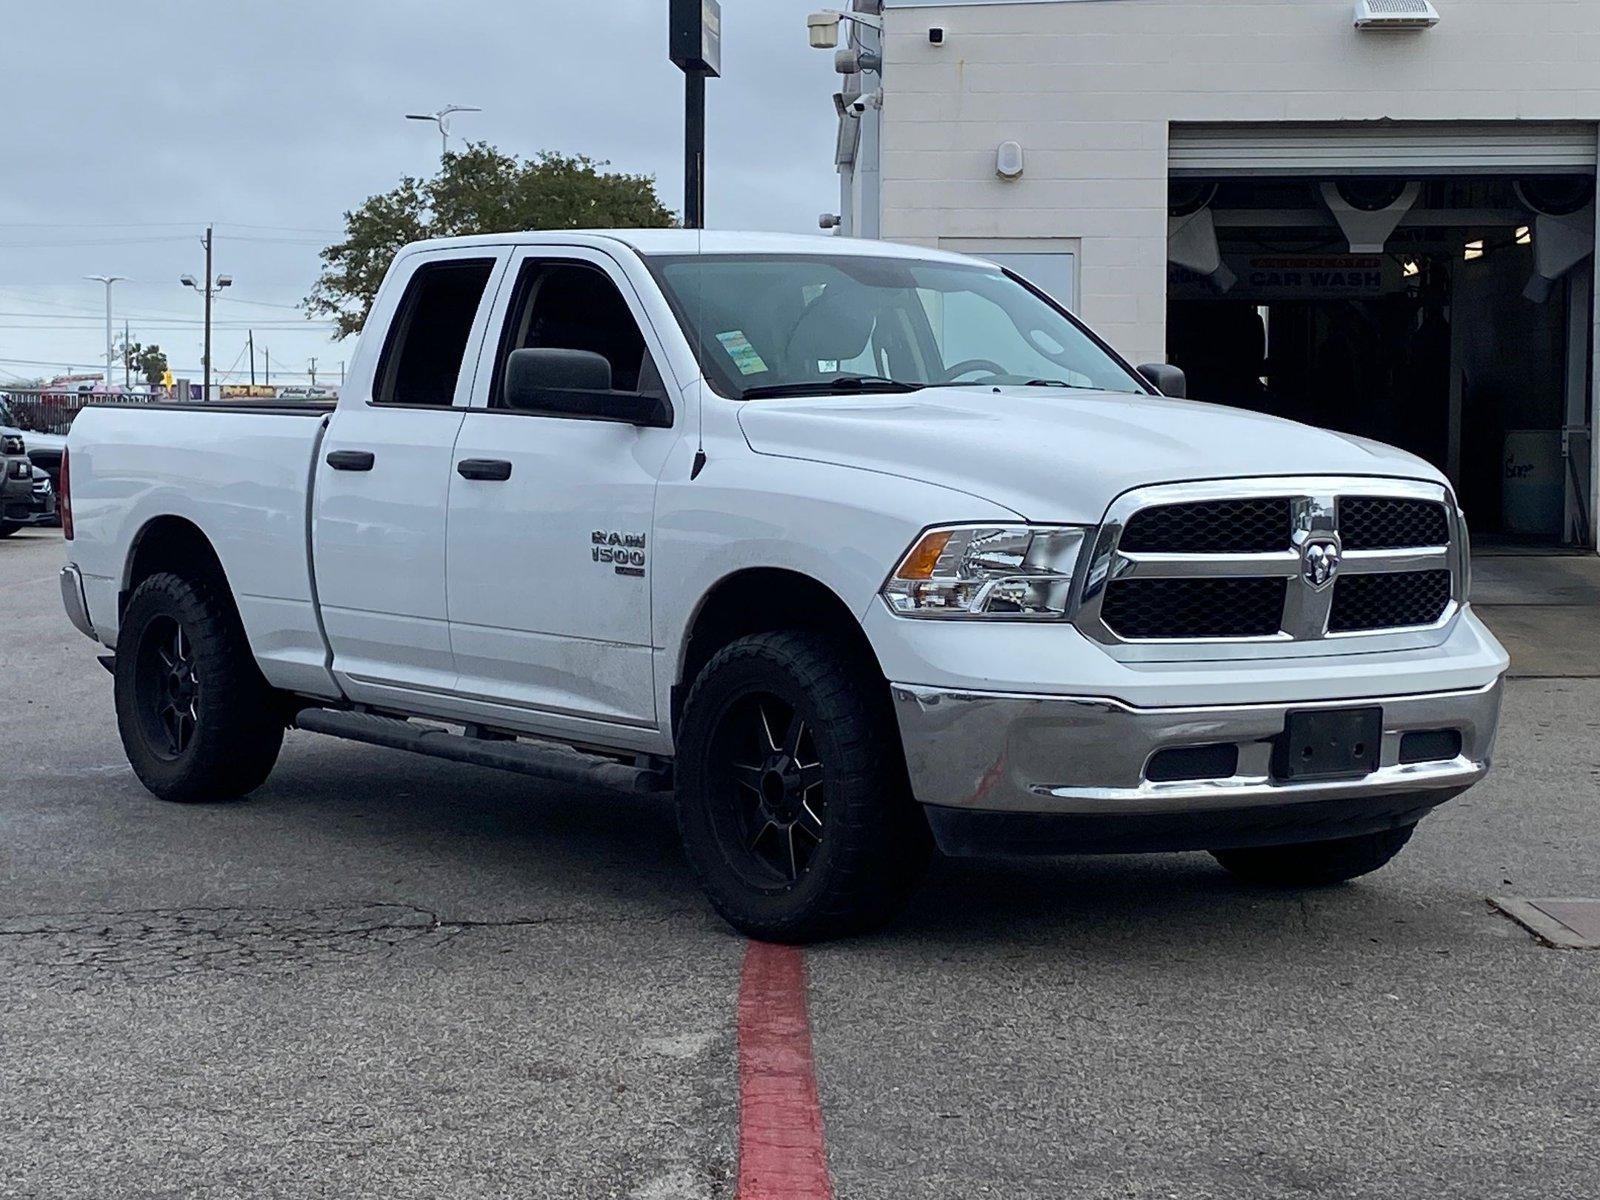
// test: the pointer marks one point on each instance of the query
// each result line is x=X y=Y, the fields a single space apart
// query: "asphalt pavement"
x=385 y=976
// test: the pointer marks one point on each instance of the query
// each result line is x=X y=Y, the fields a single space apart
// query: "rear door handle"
x=496 y=469
x=352 y=460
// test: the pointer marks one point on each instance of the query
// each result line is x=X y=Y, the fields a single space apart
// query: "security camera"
x=824 y=30
x=866 y=100
x=828 y=221
x=851 y=61
x=936 y=36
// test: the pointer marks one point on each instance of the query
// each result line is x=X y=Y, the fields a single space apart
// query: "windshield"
x=775 y=325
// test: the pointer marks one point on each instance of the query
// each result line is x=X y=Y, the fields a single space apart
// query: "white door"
x=383 y=478
x=551 y=517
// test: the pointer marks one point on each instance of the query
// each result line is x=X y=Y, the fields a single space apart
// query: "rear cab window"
x=428 y=337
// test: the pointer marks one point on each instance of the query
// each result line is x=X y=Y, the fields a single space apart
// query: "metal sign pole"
x=695 y=45
x=694 y=150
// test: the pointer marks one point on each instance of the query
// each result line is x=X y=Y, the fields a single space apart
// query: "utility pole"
x=211 y=287
x=694 y=43
x=127 y=359
x=313 y=372
x=108 y=280
x=252 y=358
x=341 y=374
x=267 y=378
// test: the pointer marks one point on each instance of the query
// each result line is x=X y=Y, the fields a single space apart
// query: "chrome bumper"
x=1080 y=756
x=72 y=599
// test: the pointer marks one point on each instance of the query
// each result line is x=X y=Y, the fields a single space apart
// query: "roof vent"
x=1395 y=15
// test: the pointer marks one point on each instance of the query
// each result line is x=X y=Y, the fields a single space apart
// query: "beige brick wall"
x=1089 y=88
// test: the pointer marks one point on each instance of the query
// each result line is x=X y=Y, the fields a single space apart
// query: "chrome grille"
x=1190 y=608
x=1391 y=523
x=1273 y=567
x=1213 y=527
x=1392 y=601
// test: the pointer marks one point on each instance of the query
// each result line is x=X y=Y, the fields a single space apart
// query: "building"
x=1387 y=230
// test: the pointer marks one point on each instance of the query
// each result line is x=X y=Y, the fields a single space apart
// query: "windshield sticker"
x=742 y=352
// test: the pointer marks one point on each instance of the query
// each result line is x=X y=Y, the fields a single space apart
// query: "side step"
x=543 y=760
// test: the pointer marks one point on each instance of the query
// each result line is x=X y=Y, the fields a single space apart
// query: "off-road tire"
x=237 y=727
x=1316 y=864
x=874 y=842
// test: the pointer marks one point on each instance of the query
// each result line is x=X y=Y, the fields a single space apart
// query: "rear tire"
x=197 y=720
x=793 y=802
x=1316 y=864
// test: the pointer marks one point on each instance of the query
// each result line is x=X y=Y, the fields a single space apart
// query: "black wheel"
x=1316 y=864
x=793 y=802
x=197 y=719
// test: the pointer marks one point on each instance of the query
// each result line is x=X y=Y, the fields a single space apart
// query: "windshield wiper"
x=821 y=387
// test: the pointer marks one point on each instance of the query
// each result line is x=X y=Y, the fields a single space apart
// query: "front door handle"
x=352 y=460
x=496 y=469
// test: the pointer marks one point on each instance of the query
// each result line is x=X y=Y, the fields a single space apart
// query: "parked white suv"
x=859 y=547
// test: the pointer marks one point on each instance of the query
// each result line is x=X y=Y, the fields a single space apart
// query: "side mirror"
x=577 y=384
x=1166 y=379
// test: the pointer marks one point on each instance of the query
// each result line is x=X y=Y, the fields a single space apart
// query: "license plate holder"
x=1333 y=743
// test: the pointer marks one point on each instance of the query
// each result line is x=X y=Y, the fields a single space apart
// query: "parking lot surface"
x=384 y=976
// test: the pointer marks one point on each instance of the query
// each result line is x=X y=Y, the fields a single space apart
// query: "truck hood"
x=1055 y=455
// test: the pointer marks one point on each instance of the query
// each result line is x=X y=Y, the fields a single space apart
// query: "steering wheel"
x=972 y=364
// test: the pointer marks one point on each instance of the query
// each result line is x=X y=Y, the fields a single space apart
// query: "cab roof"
x=693 y=241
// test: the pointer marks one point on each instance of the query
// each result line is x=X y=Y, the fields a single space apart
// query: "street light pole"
x=108 y=280
x=442 y=120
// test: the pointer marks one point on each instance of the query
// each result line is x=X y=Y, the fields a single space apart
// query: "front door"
x=549 y=544
x=383 y=478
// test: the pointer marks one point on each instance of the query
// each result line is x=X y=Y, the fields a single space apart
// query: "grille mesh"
x=1212 y=527
x=1194 y=608
x=1394 y=601
x=1387 y=523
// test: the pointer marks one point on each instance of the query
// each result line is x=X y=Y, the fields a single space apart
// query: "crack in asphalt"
x=155 y=944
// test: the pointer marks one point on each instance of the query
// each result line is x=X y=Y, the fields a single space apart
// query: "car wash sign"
x=695 y=41
x=1313 y=276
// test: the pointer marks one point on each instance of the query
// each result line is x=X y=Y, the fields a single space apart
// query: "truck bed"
x=241 y=472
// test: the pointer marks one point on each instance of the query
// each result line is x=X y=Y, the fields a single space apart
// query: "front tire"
x=1316 y=864
x=197 y=720
x=796 y=814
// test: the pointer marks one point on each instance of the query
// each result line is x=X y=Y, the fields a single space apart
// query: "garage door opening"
x=1451 y=316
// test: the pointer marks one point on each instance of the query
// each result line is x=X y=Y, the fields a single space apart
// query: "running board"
x=543 y=760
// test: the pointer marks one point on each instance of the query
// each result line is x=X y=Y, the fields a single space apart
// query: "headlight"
x=995 y=572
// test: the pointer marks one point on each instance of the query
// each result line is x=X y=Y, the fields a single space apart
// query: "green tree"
x=479 y=190
x=146 y=362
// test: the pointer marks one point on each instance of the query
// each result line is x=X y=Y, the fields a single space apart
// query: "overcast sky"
x=128 y=127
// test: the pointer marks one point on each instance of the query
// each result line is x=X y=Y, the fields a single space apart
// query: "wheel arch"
x=760 y=600
x=170 y=543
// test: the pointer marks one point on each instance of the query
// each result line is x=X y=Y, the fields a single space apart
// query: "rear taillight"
x=64 y=500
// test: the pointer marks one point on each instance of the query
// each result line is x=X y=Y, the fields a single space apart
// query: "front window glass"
x=773 y=325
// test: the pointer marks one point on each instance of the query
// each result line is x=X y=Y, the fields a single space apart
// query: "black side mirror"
x=1166 y=379
x=576 y=383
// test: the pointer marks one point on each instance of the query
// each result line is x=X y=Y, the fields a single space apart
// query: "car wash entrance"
x=1427 y=286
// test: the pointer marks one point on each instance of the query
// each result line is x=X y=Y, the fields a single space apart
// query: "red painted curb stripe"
x=782 y=1153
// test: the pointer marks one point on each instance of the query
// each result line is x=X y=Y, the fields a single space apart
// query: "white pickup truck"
x=859 y=548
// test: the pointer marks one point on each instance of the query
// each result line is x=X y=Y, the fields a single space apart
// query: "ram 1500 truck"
x=859 y=548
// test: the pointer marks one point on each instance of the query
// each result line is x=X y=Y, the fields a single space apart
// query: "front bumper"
x=1086 y=761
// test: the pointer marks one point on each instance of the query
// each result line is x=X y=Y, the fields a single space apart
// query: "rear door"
x=549 y=565
x=383 y=479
